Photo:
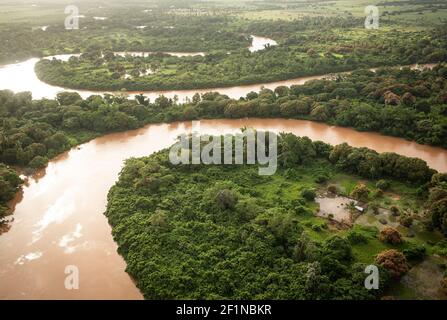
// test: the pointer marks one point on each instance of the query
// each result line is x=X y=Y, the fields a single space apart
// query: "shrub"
x=2 y=210
x=302 y=210
x=390 y=235
x=395 y=211
x=438 y=212
x=378 y=193
x=408 y=99
x=332 y=189
x=308 y=194
x=406 y=221
x=303 y=248
x=143 y=203
x=444 y=285
x=319 y=226
x=441 y=248
x=415 y=252
x=374 y=208
x=159 y=219
x=394 y=261
x=321 y=179
x=226 y=199
x=355 y=237
x=391 y=98
x=360 y=192
x=9 y=183
x=338 y=248
x=382 y=184
x=38 y=162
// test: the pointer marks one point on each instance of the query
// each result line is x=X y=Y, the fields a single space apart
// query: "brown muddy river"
x=59 y=221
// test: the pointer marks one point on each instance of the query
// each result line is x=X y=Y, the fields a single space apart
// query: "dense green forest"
x=9 y=185
x=308 y=52
x=400 y=102
x=218 y=232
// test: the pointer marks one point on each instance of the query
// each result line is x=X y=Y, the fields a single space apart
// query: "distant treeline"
x=163 y=32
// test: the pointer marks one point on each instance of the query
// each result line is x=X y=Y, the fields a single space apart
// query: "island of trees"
x=224 y=232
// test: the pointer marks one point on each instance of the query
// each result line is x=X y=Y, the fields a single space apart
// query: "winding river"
x=21 y=77
x=58 y=217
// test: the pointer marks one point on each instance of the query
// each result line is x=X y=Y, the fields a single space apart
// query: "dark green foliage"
x=38 y=162
x=438 y=211
x=31 y=131
x=226 y=199
x=360 y=192
x=30 y=126
x=308 y=194
x=437 y=202
x=216 y=238
x=355 y=237
x=383 y=184
x=338 y=248
x=9 y=185
x=415 y=252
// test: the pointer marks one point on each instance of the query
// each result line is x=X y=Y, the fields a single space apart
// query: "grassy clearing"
x=400 y=13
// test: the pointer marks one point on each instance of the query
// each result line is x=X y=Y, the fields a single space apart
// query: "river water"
x=58 y=218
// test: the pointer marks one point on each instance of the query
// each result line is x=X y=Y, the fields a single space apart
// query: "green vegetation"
x=33 y=131
x=397 y=13
x=9 y=185
x=216 y=232
x=163 y=31
x=438 y=202
x=299 y=54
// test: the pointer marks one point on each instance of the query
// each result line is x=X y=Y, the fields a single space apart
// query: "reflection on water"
x=58 y=212
x=65 y=241
x=28 y=257
x=60 y=218
x=336 y=208
x=423 y=281
x=260 y=43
